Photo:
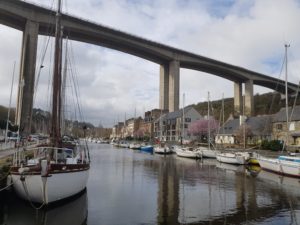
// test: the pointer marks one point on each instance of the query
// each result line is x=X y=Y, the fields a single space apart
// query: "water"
x=130 y=187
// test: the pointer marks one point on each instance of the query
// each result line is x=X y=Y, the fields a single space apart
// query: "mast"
x=286 y=95
x=244 y=123
x=183 y=118
x=208 y=141
x=223 y=112
x=63 y=94
x=56 y=91
x=8 y=111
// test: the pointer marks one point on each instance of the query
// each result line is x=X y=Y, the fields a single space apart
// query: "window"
x=278 y=126
x=188 y=120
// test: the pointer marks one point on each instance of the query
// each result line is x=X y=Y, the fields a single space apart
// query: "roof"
x=175 y=114
x=259 y=125
x=281 y=115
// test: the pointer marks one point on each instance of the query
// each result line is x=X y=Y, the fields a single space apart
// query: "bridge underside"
x=20 y=15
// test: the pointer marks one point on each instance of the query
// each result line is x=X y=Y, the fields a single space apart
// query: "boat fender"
x=44 y=168
x=23 y=170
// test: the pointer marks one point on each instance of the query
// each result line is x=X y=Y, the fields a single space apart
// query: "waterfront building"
x=257 y=129
x=174 y=126
x=131 y=127
x=147 y=125
x=279 y=126
x=117 y=131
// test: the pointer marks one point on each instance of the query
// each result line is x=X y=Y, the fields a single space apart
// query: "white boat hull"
x=232 y=158
x=54 y=187
x=209 y=153
x=188 y=153
x=162 y=150
x=283 y=167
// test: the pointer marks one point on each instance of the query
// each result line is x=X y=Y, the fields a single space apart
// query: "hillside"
x=265 y=104
x=40 y=120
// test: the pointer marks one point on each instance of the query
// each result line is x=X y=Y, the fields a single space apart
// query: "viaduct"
x=34 y=20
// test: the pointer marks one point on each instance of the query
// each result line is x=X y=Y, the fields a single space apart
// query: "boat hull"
x=162 y=150
x=208 y=153
x=231 y=158
x=188 y=154
x=51 y=188
x=148 y=149
x=282 y=167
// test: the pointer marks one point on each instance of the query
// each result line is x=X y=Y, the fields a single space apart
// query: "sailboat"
x=187 y=152
x=161 y=147
x=284 y=165
x=58 y=170
x=208 y=152
x=236 y=157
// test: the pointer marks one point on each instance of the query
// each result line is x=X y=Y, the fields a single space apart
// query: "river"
x=130 y=187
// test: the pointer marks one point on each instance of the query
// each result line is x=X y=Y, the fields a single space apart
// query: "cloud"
x=249 y=34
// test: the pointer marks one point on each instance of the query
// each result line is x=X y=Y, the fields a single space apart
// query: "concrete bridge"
x=34 y=20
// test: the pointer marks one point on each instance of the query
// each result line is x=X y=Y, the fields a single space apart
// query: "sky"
x=115 y=85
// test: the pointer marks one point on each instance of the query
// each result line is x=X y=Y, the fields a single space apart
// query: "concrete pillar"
x=237 y=98
x=249 y=103
x=164 y=87
x=174 y=68
x=27 y=77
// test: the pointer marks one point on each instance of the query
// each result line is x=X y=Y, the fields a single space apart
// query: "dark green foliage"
x=274 y=145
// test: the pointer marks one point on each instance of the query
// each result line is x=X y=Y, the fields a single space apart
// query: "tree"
x=139 y=133
x=242 y=134
x=200 y=128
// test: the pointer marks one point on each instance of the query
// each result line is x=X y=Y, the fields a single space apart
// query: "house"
x=256 y=129
x=147 y=125
x=170 y=126
x=279 y=125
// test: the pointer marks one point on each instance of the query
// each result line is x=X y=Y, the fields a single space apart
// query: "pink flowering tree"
x=140 y=133
x=199 y=128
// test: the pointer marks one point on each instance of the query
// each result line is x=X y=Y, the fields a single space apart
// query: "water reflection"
x=19 y=212
x=131 y=187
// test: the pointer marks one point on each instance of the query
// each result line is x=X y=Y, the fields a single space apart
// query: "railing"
x=8 y=145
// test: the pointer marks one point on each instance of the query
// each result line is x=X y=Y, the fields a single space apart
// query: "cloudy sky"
x=249 y=34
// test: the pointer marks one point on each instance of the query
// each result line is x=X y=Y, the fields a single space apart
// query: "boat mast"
x=286 y=95
x=183 y=118
x=208 y=141
x=9 y=105
x=63 y=91
x=56 y=92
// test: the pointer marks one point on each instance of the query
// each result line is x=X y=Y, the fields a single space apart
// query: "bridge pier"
x=27 y=77
x=237 y=98
x=174 y=69
x=248 y=100
x=169 y=86
x=249 y=103
x=164 y=87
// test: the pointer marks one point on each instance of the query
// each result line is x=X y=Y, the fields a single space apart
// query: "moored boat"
x=147 y=148
x=208 y=153
x=162 y=148
x=238 y=158
x=135 y=146
x=284 y=165
x=59 y=169
x=188 y=152
x=53 y=174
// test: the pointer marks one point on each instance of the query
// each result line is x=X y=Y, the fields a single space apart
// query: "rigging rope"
x=2 y=189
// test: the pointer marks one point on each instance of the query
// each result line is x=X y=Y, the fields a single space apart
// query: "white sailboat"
x=58 y=170
x=208 y=152
x=238 y=158
x=189 y=152
x=284 y=165
x=161 y=147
